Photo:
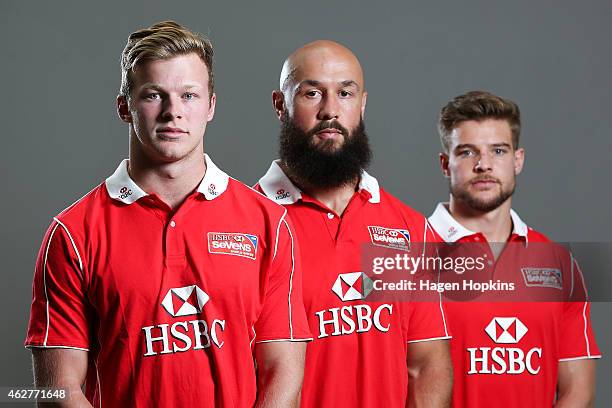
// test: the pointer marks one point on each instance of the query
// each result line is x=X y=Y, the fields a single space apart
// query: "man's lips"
x=328 y=133
x=170 y=133
x=171 y=130
x=484 y=183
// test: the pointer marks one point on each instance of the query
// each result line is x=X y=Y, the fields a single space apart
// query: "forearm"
x=278 y=389
x=576 y=384
x=61 y=369
x=76 y=399
x=430 y=387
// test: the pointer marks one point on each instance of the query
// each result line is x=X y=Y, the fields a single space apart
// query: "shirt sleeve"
x=578 y=339
x=283 y=317
x=427 y=315
x=60 y=314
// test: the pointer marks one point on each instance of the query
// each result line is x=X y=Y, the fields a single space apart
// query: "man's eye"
x=189 y=95
x=153 y=96
x=466 y=153
x=312 y=93
x=345 y=94
x=499 y=151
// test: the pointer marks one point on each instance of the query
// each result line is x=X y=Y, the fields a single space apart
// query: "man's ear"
x=211 y=107
x=278 y=103
x=364 y=100
x=123 y=110
x=519 y=160
x=443 y=157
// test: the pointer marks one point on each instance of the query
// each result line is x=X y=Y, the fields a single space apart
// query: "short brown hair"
x=163 y=40
x=478 y=106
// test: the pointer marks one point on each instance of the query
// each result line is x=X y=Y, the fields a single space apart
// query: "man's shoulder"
x=84 y=206
x=252 y=196
x=537 y=236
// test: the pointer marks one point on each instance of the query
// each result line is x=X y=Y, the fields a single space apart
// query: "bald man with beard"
x=366 y=353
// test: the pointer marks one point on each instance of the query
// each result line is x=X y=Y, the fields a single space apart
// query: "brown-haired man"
x=508 y=354
x=159 y=286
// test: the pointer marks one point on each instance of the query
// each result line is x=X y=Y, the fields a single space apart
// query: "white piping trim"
x=98 y=382
x=430 y=339
x=580 y=358
x=30 y=346
x=290 y=279
x=45 y=284
x=586 y=336
x=279 y=340
x=73 y=244
x=254 y=335
x=572 y=276
x=282 y=218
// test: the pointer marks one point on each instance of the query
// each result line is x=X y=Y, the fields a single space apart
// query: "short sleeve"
x=283 y=317
x=578 y=339
x=60 y=314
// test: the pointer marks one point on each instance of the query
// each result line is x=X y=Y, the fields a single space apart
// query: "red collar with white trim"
x=451 y=231
x=277 y=186
x=121 y=187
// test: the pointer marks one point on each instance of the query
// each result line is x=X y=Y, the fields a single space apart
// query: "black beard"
x=321 y=166
x=472 y=202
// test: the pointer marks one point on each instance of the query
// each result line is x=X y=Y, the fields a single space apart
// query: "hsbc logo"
x=185 y=301
x=359 y=318
x=506 y=330
x=505 y=360
x=282 y=194
x=352 y=286
x=182 y=336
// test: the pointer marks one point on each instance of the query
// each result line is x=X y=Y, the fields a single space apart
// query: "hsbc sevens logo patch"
x=390 y=237
x=352 y=286
x=233 y=243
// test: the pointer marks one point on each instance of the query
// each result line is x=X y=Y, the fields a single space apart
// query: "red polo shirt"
x=507 y=354
x=358 y=357
x=168 y=303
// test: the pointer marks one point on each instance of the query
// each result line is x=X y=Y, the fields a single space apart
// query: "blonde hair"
x=163 y=40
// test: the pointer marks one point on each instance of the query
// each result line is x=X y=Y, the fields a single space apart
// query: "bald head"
x=322 y=56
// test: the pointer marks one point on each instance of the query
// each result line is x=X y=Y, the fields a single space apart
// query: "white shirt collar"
x=451 y=231
x=121 y=187
x=277 y=186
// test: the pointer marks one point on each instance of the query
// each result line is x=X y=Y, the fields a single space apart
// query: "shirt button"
x=330 y=215
x=490 y=262
x=476 y=238
x=172 y=224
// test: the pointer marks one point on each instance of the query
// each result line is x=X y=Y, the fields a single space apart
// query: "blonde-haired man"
x=159 y=286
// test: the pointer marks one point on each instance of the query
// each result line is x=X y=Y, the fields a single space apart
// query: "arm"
x=430 y=374
x=61 y=368
x=576 y=383
x=280 y=371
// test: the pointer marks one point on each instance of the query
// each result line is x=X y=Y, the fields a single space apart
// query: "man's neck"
x=495 y=225
x=172 y=182
x=334 y=198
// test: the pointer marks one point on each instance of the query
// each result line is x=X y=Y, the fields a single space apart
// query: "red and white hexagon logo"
x=506 y=330
x=352 y=286
x=185 y=301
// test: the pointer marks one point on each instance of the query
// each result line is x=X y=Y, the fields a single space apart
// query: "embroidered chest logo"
x=390 y=237
x=543 y=277
x=233 y=243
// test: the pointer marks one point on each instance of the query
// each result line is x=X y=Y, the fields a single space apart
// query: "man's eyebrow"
x=157 y=87
x=502 y=144
x=349 y=82
x=465 y=146
x=344 y=84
